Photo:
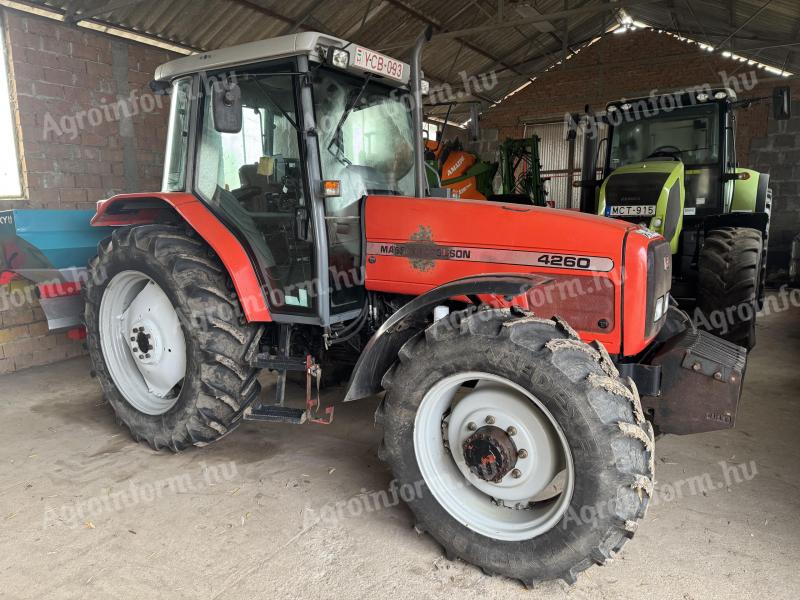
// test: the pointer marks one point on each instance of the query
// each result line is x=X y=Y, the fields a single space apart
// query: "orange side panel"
x=202 y=220
x=457 y=164
x=466 y=189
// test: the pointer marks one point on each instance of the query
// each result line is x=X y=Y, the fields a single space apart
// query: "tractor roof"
x=688 y=96
x=307 y=43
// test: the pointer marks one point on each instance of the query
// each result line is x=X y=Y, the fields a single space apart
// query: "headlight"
x=657 y=222
x=720 y=96
x=626 y=106
x=339 y=58
x=702 y=97
x=661 y=307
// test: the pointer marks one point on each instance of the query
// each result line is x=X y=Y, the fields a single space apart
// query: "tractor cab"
x=671 y=167
x=281 y=139
x=664 y=164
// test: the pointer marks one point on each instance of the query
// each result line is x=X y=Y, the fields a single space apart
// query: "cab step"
x=274 y=413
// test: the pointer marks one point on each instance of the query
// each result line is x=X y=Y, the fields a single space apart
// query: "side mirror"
x=160 y=88
x=782 y=103
x=226 y=103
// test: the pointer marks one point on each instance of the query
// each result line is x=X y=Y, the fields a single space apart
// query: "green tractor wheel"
x=729 y=282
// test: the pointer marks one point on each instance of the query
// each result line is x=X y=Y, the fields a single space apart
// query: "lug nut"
x=522 y=453
x=147 y=356
x=471 y=426
x=133 y=339
x=516 y=473
x=718 y=376
x=490 y=420
x=148 y=336
x=511 y=430
x=141 y=357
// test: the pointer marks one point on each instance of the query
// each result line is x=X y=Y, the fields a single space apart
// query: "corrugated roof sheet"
x=758 y=29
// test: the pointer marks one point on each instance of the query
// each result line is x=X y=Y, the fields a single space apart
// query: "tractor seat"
x=249 y=177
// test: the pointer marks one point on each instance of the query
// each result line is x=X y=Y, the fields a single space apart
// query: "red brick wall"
x=61 y=72
x=58 y=74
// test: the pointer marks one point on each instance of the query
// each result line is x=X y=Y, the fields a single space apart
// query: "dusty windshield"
x=690 y=133
x=371 y=151
x=365 y=142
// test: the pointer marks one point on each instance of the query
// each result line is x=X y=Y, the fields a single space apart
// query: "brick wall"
x=636 y=63
x=76 y=144
x=779 y=153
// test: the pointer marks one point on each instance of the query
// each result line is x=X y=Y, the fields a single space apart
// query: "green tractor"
x=671 y=167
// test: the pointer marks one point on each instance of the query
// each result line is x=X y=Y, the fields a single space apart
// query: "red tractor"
x=294 y=232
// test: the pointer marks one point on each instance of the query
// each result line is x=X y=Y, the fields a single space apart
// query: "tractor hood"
x=429 y=231
x=416 y=244
x=650 y=193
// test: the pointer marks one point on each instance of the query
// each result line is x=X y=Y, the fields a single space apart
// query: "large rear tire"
x=729 y=281
x=166 y=337
x=559 y=397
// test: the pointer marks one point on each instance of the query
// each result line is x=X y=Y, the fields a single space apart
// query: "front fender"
x=382 y=348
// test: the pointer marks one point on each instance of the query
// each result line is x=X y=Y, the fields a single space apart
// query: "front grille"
x=631 y=189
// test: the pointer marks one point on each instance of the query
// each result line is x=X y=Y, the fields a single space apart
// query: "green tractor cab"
x=671 y=167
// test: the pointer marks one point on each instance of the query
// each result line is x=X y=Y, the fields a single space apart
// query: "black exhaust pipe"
x=420 y=180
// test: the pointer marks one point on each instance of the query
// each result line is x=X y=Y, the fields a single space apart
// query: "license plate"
x=375 y=62
x=647 y=210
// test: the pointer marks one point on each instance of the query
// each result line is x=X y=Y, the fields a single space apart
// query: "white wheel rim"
x=142 y=342
x=504 y=510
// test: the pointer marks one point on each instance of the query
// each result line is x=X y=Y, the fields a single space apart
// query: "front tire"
x=166 y=338
x=589 y=510
x=728 y=283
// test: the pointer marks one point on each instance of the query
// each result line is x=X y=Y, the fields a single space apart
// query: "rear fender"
x=381 y=350
x=158 y=207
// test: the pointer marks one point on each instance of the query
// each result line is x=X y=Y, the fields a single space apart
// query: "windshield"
x=691 y=134
x=365 y=142
x=371 y=150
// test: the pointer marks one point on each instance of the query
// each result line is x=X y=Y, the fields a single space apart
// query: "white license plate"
x=633 y=211
x=375 y=62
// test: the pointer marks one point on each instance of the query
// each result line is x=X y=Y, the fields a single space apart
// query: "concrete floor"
x=238 y=525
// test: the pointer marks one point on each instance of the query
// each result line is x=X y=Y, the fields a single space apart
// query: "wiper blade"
x=338 y=132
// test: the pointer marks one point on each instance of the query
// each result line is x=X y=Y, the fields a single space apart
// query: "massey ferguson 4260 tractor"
x=294 y=233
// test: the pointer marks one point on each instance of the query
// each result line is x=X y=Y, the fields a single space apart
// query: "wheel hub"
x=489 y=447
x=142 y=342
x=490 y=453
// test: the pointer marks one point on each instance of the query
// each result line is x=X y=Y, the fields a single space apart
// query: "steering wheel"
x=667 y=151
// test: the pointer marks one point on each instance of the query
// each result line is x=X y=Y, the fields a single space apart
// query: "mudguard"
x=382 y=348
x=142 y=209
x=750 y=195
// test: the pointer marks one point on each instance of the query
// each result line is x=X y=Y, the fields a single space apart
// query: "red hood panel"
x=416 y=244
x=491 y=225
